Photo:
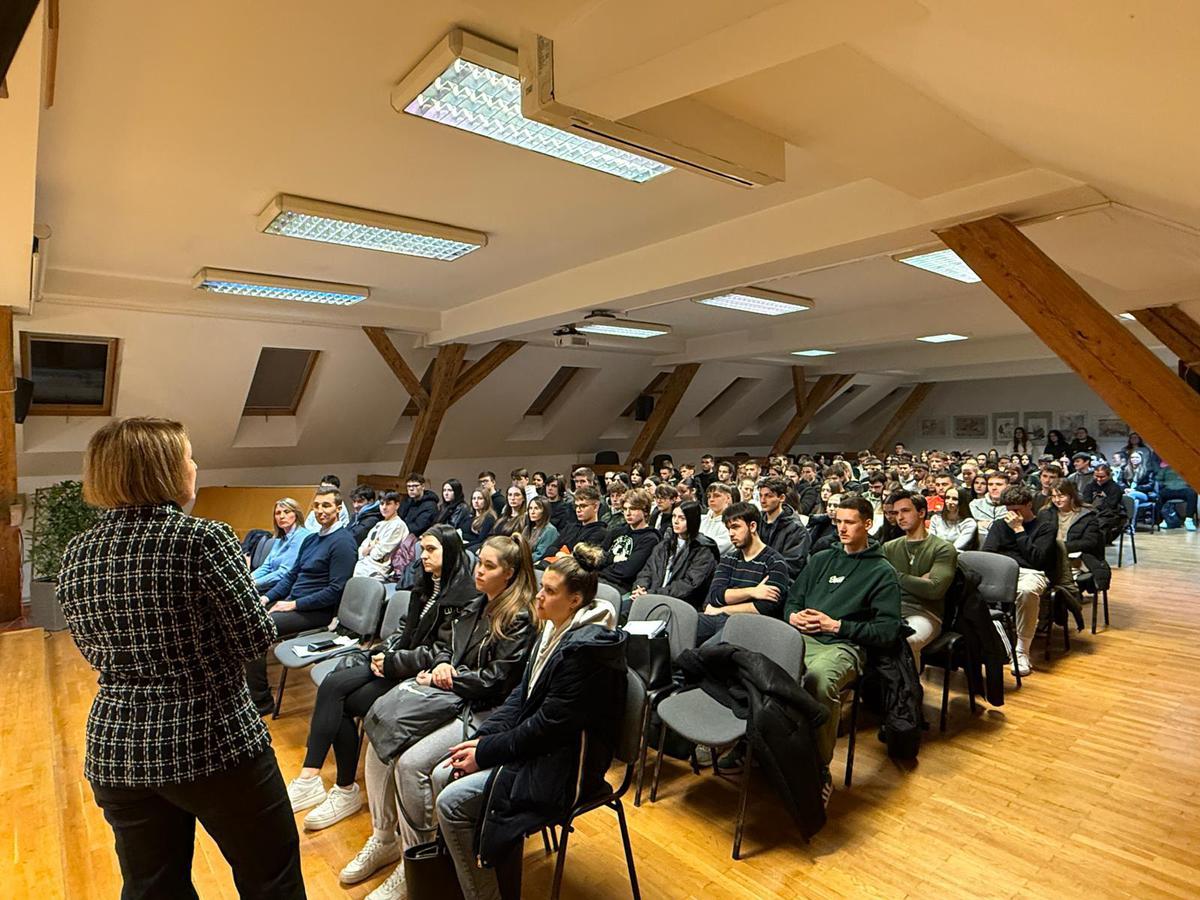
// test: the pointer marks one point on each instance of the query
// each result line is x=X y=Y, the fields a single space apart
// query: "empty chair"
x=698 y=718
x=358 y=613
x=393 y=615
x=998 y=588
x=948 y=651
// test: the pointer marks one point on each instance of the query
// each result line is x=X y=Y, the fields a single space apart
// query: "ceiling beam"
x=10 y=546
x=483 y=367
x=1113 y=362
x=668 y=402
x=1175 y=328
x=399 y=367
x=824 y=390
x=446 y=368
x=900 y=417
x=799 y=388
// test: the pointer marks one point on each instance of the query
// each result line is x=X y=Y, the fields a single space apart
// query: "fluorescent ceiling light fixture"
x=813 y=352
x=941 y=262
x=757 y=300
x=608 y=324
x=942 y=338
x=332 y=223
x=473 y=84
x=277 y=287
x=1128 y=317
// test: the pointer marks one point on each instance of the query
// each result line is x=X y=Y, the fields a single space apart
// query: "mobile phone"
x=318 y=646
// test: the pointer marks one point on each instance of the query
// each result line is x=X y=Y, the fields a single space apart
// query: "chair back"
x=261 y=552
x=629 y=738
x=396 y=610
x=997 y=575
x=609 y=593
x=1129 y=504
x=776 y=640
x=362 y=606
x=537 y=574
x=681 y=618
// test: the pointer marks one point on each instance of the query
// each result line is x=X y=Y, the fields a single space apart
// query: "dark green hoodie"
x=859 y=589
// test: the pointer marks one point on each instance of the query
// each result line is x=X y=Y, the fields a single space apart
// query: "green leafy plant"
x=59 y=514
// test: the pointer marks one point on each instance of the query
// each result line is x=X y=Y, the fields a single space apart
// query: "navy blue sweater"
x=325 y=564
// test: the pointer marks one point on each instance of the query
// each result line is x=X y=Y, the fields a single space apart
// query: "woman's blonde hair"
x=136 y=462
x=518 y=596
x=292 y=506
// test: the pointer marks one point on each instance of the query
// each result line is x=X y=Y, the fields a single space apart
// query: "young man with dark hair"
x=712 y=523
x=753 y=579
x=1030 y=539
x=630 y=544
x=1083 y=442
x=419 y=509
x=781 y=528
x=520 y=477
x=587 y=529
x=1082 y=463
x=1106 y=496
x=366 y=512
x=375 y=550
x=1049 y=474
x=707 y=474
x=925 y=566
x=487 y=484
x=986 y=510
x=846 y=599
x=665 y=499
x=808 y=489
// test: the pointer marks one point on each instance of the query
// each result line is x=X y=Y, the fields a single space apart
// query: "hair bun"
x=589 y=556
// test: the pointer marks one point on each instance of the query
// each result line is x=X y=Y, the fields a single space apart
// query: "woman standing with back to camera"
x=162 y=605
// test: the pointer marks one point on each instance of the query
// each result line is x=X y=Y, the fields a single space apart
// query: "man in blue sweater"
x=307 y=596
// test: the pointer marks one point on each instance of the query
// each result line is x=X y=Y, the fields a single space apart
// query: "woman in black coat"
x=549 y=744
x=683 y=564
x=1084 y=535
x=453 y=509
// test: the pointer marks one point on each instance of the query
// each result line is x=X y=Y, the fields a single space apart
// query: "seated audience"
x=562 y=512
x=846 y=599
x=419 y=507
x=1049 y=473
x=1083 y=443
x=375 y=551
x=1101 y=493
x=629 y=545
x=307 y=596
x=520 y=477
x=551 y=741
x=1056 y=444
x=539 y=532
x=1029 y=539
x=1173 y=487
x=1138 y=479
x=289 y=535
x=780 y=528
x=687 y=489
x=682 y=564
x=986 y=510
x=366 y=512
x=726 y=473
x=712 y=523
x=588 y=529
x=925 y=565
x=453 y=510
x=538 y=481
x=808 y=489
x=513 y=518
x=487 y=484
x=751 y=580
x=482 y=521
x=327 y=482
x=707 y=474
x=665 y=498
x=1079 y=529
x=951 y=525
x=748 y=490
x=480 y=665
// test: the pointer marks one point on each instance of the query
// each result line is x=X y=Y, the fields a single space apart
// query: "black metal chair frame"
x=947 y=647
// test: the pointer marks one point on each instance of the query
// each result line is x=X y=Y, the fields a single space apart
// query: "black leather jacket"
x=485 y=668
x=411 y=648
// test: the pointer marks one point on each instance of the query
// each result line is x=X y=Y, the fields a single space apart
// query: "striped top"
x=735 y=571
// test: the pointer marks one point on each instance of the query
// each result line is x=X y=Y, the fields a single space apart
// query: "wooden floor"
x=1085 y=784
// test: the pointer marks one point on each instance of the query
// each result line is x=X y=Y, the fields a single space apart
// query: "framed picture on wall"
x=971 y=427
x=933 y=427
x=1037 y=425
x=1111 y=428
x=1069 y=421
x=1003 y=425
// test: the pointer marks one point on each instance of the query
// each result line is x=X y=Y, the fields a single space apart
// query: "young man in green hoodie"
x=847 y=598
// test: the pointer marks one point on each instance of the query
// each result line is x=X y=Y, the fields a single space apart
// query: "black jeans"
x=246 y=811
x=1187 y=495
x=343 y=694
x=288 y=623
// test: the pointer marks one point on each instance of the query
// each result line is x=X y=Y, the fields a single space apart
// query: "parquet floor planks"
x=1085 y=784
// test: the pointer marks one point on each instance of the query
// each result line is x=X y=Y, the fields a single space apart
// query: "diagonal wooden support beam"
x=1114 y=363
x=908 y=406
x=1175 y=328
x=10 y=546
x=824 y=390
x=668 y=402
x=396 y=363
x=799 y=387
x=446 y=368
x=483 y=367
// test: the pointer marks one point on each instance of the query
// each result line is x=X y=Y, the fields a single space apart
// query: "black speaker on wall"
x=23 y=398
x=642 y=407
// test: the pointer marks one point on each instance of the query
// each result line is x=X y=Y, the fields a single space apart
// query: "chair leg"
x=662 y=740
x=1095 y=609
x=279 y=695
x=633 y=882
x=1106 y=609
x=712 y=754
x=745 y=791
x=1133 y=546
x=546 y=841
x=642 y=747
x=562 y=860
x=853 y=733
x=1120 y=549
x=945 y=694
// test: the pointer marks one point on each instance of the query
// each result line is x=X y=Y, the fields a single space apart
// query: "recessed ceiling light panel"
x=473 y=84
x=813 y=352
x=1128 y=317
x=941 y=262
x=609 y=324
x=942 y=338
x=757 y=300
x=332 y=223
x=277 y=287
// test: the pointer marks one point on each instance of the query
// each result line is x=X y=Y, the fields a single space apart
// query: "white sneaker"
x=1024 y=666
x=306 y=793
x=374 y=855
x=392 y=889
x=340 y=803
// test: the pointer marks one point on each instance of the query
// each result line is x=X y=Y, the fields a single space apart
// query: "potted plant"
x=59 y=514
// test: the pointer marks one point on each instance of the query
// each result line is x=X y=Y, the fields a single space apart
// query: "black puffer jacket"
x=809 y=493
x=788 y=535
x=1086 y=538
x=486 y=668
x=535 y=741
x=411 y=648
x=690 y=575
x=419 y=514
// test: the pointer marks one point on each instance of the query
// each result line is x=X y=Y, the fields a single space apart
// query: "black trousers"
x=288 y=623
x=246 y=811
x=343 y=695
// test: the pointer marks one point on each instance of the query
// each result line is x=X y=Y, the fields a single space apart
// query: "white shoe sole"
x=312 y=823
x=386 y=860
x=308 y=801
